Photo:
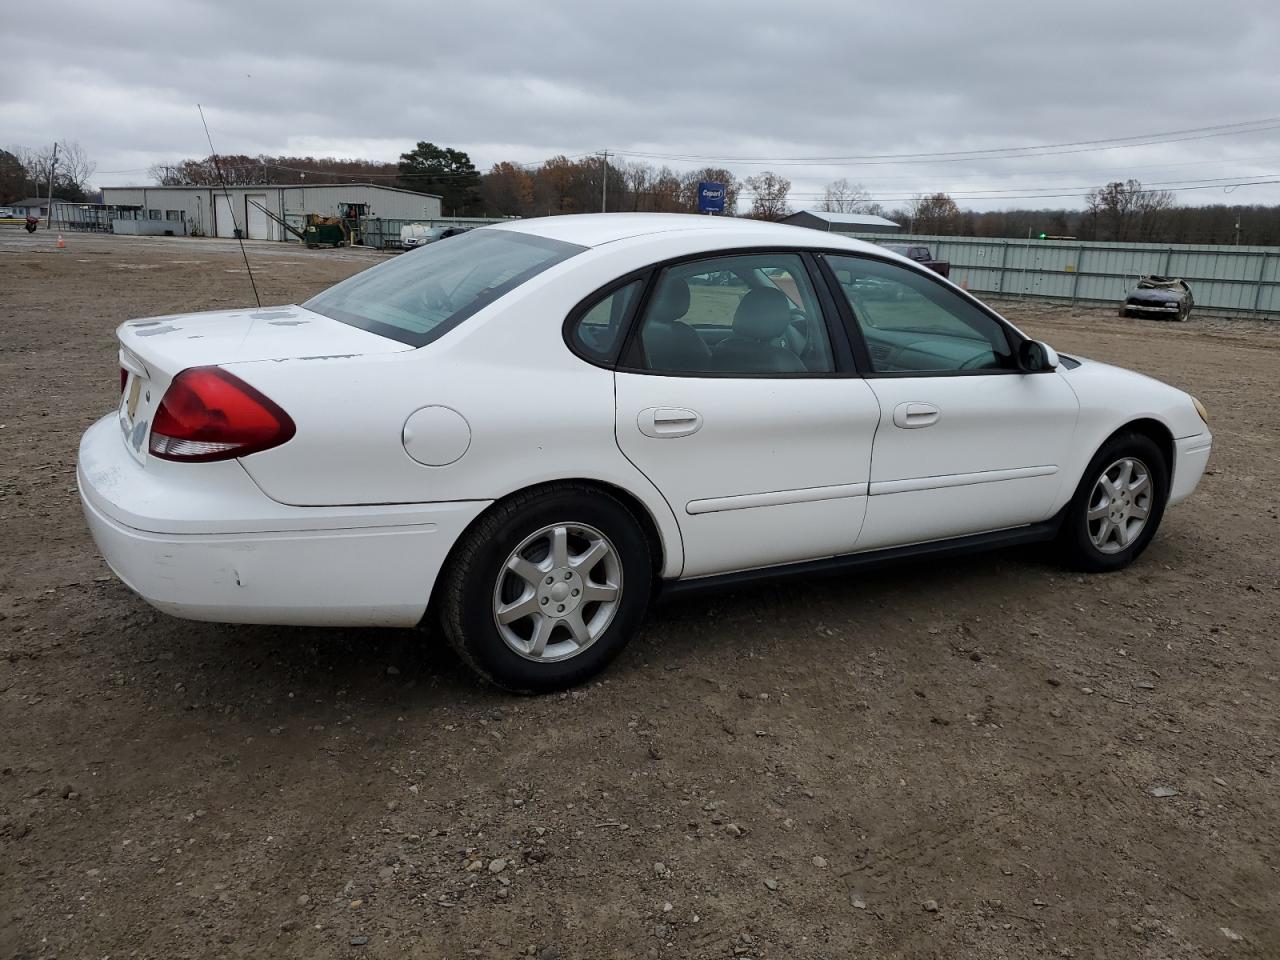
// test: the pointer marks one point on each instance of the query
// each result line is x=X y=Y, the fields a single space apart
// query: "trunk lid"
x=153 y=351
x=173 y=343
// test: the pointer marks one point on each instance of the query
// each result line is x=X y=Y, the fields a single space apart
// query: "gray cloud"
x=524 y=81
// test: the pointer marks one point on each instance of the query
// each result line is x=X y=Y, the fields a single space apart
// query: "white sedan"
x=525 y=433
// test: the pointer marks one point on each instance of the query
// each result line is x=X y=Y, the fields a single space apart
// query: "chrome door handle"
x=666 y=422
x=915 y=414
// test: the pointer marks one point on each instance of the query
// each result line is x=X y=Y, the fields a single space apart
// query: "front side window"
x=415 y=299
x=745 y=315
x=913 y=324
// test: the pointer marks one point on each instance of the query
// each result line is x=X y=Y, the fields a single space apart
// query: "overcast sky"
x=798 y=79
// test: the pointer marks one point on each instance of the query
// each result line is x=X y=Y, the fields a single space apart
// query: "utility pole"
x=48 y=224
x=604 y=180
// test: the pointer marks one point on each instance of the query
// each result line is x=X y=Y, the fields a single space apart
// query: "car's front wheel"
x=1117 y=506
x=546 y=588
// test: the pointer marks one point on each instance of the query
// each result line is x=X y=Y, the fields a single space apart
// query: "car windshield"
x=415 y=299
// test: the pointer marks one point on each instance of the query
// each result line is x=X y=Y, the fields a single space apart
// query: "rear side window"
x=597 y=334
x=739 y=316
x=418 y=297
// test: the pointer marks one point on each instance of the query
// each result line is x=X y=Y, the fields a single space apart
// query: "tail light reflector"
x=209 y=414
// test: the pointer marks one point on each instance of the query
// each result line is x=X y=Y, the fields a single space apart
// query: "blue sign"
x=710 y=197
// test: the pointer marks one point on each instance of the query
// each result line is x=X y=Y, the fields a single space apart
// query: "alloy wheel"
x=1119 y=505
x=557 y=592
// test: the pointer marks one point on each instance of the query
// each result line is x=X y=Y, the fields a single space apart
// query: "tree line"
x=24 y=173
x=1120 y=210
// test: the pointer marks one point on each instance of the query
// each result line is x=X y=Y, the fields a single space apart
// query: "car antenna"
x=222 y=181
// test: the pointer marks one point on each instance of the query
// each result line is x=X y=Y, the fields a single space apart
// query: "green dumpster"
x=326 y=234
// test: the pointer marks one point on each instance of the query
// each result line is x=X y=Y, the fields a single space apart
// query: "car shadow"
x=391 y=671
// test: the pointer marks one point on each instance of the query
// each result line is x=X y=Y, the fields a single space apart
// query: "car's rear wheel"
x=1118 y=505
x=546 y=588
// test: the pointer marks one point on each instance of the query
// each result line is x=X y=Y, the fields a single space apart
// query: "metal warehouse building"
x=842 y=222
x=210 y=212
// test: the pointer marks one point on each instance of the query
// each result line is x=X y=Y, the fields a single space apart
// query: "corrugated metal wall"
x=1224 y=279
x=197 y=204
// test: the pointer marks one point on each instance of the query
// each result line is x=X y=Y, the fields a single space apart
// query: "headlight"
x=1204 y=414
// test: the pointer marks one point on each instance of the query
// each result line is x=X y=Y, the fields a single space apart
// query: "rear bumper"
x=254 y=560
x=1192 y=458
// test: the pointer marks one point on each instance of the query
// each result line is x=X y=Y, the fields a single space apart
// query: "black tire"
x=1075 y=542
x=465 y=595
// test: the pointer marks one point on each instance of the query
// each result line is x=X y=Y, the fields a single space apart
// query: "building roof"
x=35 y=202
x=271 y=186
x=852 y=219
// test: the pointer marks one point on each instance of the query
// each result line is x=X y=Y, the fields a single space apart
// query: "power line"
x=989 y=153
x=1151 y=185
x=1053 y=196
x=1128 y=169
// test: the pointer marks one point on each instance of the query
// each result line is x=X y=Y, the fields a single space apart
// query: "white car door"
x=967 y=443
x=733 y=399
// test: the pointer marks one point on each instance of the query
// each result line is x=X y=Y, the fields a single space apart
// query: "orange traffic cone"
x=62 y=244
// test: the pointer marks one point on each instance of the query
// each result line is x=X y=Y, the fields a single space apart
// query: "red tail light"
x=208 y=414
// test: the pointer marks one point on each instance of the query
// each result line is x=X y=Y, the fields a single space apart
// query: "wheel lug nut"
x=575 y=593
x=568 y=576
x=549 y=579
x=544 y=601
x=560 y=609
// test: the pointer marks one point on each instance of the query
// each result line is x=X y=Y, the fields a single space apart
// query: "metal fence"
x=1228 y=280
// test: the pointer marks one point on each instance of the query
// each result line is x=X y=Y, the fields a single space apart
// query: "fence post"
x=1257 y=289
x=1168 y=262
x=1075 y=281
x=1004 y=256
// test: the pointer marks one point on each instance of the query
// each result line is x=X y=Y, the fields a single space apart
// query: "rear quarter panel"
x=536 y=412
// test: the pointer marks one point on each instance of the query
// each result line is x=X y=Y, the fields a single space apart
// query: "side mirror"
x=1036 y=357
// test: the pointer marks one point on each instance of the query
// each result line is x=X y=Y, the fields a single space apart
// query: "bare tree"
x=841 y=196
x=71 y=173
x=1123 y=210
x=936 y=213
x=769 y=200
x=74 y=164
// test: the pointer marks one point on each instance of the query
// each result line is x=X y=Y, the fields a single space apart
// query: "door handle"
x=915 y=414
x=666 y=422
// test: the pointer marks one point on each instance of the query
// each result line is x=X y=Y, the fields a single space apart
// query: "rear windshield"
x=421 y=295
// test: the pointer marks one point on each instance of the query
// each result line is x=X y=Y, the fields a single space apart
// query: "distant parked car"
x=417 y=235
x=1159 y=297
x=921 y=255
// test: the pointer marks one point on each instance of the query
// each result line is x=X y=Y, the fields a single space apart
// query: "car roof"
x=594 y=229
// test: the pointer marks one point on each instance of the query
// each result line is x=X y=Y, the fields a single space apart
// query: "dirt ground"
x=953 y=759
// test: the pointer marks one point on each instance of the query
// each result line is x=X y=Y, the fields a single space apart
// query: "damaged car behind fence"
x=1159 y=298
